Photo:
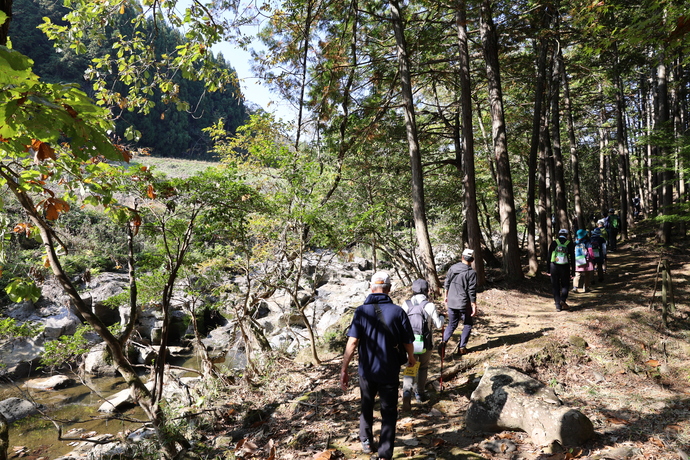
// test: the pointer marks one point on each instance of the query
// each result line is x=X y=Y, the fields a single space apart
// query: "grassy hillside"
x=173 y=167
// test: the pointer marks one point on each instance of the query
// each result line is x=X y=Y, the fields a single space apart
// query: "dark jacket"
x=461 y=286
x=378 y=359
x=571 y=255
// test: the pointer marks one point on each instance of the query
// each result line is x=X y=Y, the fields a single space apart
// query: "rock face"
x=56 y=382
x=509 y=400
x=16 y=409
x=98 y=362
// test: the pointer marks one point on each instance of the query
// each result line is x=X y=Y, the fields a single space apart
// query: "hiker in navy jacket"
x=378 y=347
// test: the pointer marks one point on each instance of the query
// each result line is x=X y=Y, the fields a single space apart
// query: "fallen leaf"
x=617 y=421
x=657 y=442
x=653 y=363
x=438 y=442
x=325 y=455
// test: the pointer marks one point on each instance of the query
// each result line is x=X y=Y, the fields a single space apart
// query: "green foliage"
x=20 y=289
x=67 y=349
x=163 y=129
x=9 y=329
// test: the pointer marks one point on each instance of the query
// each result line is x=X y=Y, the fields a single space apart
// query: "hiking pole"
x=443 y=357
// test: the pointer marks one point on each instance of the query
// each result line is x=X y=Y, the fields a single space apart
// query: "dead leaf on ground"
x=653 y=363
x=617 y=421
x=329 y=454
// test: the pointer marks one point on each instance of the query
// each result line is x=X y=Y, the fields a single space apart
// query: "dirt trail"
x=631 y=381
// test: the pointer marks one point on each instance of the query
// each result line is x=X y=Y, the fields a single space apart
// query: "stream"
x=73 y=408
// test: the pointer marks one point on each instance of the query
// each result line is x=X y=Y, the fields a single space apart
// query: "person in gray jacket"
x=420 y=290
x=461 y=300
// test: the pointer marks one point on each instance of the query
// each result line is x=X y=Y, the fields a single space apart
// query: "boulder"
x=172 y=388
x=16 y=409
x=98 y=361
x=20 y=357
x=507 y=399
x=64 y=322
x=56 y=382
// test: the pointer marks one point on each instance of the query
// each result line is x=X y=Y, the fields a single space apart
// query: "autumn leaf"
x=42 y=151
x=653 y=363
x=135 y=223
x=53 y=207
x=617 y=421
x=23 y=228
x=326 y=455
x=72 y=113
x=150 y=192
x=272 y=453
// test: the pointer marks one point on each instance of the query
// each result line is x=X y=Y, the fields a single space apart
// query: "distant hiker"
x=637 y=209
x=584 y=261
x=424 y=319
x=613 y=223
x=561 y=267
x=601 y=225
x=599 y=251
x=378 y=331
x=461 y=300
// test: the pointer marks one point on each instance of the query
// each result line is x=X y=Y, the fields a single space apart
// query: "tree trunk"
x=474 y=235
x=667 y=174
x=418 y=206
x=537 y=122
x=560 y=205
x=506 y=202
x=574 y=160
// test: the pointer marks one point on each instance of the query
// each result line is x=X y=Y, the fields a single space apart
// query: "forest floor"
x=632 y=380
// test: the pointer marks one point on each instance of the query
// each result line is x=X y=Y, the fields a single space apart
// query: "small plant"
x=66 y=349
x=9 y=329
x=20 y=289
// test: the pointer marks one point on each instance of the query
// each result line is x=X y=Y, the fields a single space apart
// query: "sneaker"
x=406 y=405
x=421 y=397
x=559 y=309
x=564 y=305
x=462 y=351
x=366 y=447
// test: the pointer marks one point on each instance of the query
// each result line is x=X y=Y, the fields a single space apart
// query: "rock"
x=65 y=322
x=172 y=388
x=20 y=357
x=56 y=382
x=509 y=400
x=16 y=409
x=98 y=361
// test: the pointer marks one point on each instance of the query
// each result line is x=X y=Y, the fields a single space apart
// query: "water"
x=75 y=407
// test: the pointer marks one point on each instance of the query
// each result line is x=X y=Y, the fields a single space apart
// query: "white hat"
x=468 y=253
x=563 y=231
x=380 y=279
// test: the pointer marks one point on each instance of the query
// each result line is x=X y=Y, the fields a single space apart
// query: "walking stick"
x=443 y=357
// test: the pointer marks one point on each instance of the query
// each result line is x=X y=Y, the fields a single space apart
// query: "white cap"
x=380 y=279
x=563 y=231
x=468 y=253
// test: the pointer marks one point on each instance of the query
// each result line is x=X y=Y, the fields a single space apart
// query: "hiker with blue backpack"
x=584 y=261
x=424 y=318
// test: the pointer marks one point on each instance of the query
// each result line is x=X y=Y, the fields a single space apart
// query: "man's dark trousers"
x=560 y=282
x=388 y=399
